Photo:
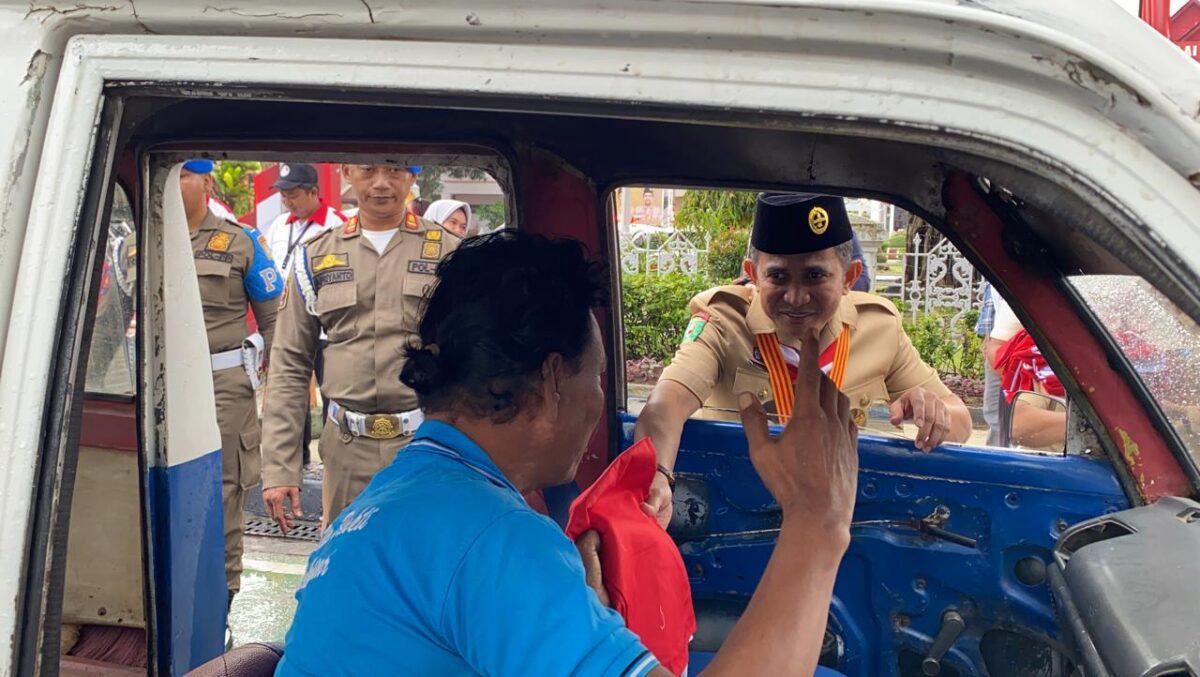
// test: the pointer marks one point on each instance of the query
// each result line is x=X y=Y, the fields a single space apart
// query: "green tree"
x=490 y=216
x=233 y=183
x=725 y=216
x=430 y=179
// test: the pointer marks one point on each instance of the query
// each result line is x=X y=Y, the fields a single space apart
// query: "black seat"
x=248 y=660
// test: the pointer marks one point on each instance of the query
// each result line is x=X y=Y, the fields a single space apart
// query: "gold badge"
x=431 y=250
x=219 y=242
x=330 y=261
x=411 y=223
x=433 y=235
x=351 y=227
x=859 y=417
x=818 y=220
x=382 y=428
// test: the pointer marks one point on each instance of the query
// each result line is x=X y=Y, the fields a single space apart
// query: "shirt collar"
x=447 y=438
x=318 y=217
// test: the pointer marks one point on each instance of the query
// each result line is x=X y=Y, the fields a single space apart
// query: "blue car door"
x=952 y=543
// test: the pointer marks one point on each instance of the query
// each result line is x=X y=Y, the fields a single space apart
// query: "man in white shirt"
x=306 y=217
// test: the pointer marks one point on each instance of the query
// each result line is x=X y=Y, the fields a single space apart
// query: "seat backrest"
x=247 y=660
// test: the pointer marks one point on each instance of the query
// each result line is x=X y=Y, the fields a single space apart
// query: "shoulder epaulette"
x=862 y=299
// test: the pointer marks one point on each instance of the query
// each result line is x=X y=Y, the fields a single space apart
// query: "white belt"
x=227 y=359
x=376 y=426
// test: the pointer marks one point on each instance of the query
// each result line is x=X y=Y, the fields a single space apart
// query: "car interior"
x=964 y=561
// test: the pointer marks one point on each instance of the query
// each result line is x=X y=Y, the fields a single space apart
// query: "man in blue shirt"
x=440 y=566
x=991 y=379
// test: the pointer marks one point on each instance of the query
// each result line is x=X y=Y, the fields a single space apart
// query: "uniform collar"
x=350 y=229
x=211 y=222
x=452 y=442
x=318 y=217
x=760 y=323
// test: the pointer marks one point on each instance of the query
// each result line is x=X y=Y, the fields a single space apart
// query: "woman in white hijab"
x=453 y=215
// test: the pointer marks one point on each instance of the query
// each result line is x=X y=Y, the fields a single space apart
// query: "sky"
x=1132 y=5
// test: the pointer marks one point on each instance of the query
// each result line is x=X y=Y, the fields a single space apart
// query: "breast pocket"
x=216 y=289
x=335 y=306
x=753 y=381
x=415 y=287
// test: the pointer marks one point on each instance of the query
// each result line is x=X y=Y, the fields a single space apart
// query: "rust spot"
x=1129 y=450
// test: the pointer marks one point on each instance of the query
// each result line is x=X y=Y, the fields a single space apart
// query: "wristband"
x=667 y=474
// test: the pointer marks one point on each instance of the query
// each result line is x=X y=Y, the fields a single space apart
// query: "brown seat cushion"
x=247 y=660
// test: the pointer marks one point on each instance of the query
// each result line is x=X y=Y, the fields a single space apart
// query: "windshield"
x=1160 y=341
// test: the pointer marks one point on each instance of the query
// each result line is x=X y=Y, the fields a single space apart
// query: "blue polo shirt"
x=440 y=567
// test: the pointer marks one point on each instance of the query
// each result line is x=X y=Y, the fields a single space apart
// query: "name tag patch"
x=333 y=277
x=210 y=255
x=422 y=267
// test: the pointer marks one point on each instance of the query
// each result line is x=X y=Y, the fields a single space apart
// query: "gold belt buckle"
x=383 y=426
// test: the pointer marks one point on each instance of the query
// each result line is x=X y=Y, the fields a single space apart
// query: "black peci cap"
x=798 y=223
x=295 y=175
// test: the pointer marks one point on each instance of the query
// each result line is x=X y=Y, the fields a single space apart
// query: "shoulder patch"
x=695 y=327
x=411 y=223
x=351 y=227
x=431 y=250
x=433 y=235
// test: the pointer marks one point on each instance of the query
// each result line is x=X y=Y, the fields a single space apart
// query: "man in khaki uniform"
x=233 y=269
x=744 y=339
x=362 y=283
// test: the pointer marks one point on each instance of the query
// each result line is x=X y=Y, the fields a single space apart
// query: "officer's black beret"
x=798 y=223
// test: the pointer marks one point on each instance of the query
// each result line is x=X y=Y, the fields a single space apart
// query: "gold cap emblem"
x=818 y=220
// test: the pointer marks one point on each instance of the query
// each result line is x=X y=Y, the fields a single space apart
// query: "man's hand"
x=658 y=504
x=928 y=412
x=812 y=467
x=276 y=498
x=588 y=545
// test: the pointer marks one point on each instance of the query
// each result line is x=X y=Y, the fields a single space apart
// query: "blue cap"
x=199 y=166
x=415 y=169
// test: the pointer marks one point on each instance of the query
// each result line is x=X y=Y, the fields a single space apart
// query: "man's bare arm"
x=662 y=420
x=668 y=408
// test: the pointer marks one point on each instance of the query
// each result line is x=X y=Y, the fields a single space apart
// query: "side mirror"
x=1035 y=421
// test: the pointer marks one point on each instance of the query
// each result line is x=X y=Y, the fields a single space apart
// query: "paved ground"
x=273 y=567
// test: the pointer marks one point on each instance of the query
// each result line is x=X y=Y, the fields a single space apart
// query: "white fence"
x=939 y=277
x=663 y=253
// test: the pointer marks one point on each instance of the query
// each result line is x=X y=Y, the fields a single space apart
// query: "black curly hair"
x=502 y=303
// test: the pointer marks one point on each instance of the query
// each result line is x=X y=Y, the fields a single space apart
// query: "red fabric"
x=643 y=572
x=1021 y=364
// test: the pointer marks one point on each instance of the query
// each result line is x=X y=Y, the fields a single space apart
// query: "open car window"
x=1161 y=343
x=675 y=243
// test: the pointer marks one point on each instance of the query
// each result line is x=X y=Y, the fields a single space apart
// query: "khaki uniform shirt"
x=369 y=304
x=234 y=269
x=719 y=362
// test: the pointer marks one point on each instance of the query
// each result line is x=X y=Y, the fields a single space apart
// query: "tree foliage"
x=725 y=216
x=429 y=181
x=655 y=312
x=233 y=184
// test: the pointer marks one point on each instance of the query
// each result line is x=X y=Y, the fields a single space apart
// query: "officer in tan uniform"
x=744 y=339
x=233 y=269
x=362 y=283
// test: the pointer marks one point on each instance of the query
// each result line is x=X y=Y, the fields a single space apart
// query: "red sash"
x=782 y=369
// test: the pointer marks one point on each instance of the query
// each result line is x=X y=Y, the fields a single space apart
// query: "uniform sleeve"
x=697 y=362
x=908 y=370
x=290 y=369
x=522 y=567
x=263 y=286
